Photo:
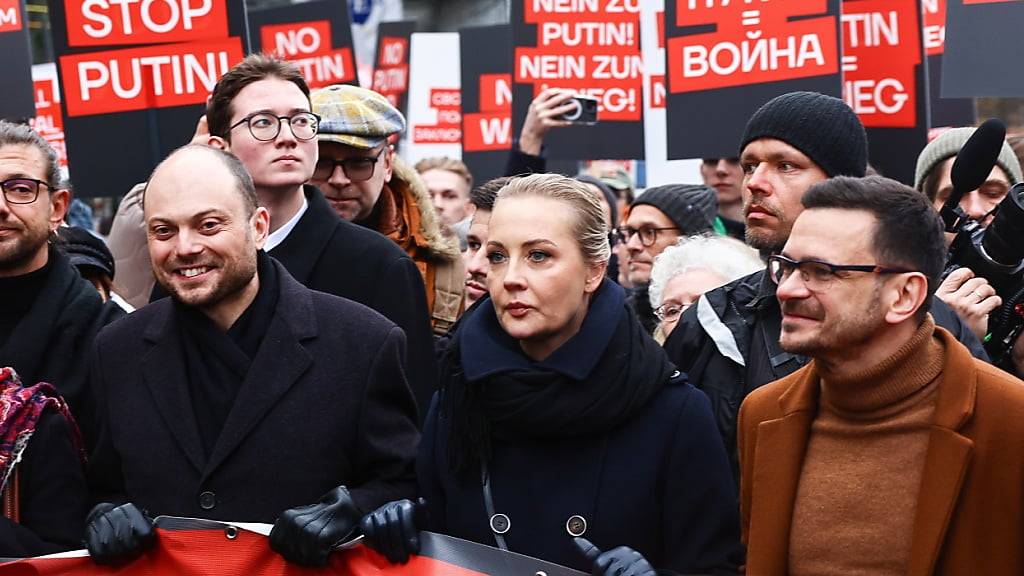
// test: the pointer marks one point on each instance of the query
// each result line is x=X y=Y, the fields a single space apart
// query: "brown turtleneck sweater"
x=855 y=504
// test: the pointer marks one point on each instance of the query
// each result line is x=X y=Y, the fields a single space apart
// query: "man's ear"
x=219 y=143
x=388 y=165
x=910 y=294
x=59 y=202
x=261 y=226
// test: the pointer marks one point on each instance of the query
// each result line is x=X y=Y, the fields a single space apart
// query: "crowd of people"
x=766 y=372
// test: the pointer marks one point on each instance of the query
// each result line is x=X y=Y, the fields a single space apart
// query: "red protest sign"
x=117 y=22
x=881 y=49
x=297 y=39
x=753 y=43
x=151 y=77
x=49 y=122
x=10 y=15
x=988 y=1
x=391 y=76
x=447 y=102
x=491 y=127
x=590 y=46
x=934 y=26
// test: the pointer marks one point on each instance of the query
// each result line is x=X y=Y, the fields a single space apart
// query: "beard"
x=19 y=249
x=235 y=274
x=849 y=329
x=766 y=240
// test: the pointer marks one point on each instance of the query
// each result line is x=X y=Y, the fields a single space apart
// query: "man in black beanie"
x=728 y=343
x=657 y=218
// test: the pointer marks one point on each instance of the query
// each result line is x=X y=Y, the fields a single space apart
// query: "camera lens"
x=575 y=113
x=1002 y=238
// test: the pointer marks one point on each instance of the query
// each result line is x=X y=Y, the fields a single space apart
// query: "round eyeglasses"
x=265 y=126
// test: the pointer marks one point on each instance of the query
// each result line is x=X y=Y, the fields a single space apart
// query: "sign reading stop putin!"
x=133 y=22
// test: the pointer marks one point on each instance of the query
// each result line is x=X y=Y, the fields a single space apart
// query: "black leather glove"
x=394 y=529
x=621 y=561
x=115 y=534
x=306 y=535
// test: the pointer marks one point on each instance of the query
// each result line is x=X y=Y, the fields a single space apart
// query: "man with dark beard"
x=892 y=431
x=728 y=343
x=245 y=396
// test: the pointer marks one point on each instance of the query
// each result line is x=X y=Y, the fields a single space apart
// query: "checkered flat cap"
x=355 y=116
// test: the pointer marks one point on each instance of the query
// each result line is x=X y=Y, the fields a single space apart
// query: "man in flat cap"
x=366 y=183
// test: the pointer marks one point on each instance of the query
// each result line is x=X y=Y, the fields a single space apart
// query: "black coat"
x=742 y=321
x=325 y=403
x=659 y=483
x=335 y=256
x=53 y=340
x=52 y=494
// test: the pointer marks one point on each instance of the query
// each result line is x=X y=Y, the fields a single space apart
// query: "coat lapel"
x=163 y=370
x=778 y=461
x=301 y=250
x=279 y=363
x=947 y=461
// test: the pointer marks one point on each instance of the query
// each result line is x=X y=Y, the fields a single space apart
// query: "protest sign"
x=434 y=121
x=486 y=57
x=134 y=78
x=315 y=36
x=658 y=169
x=943 y=111
x=884 y=81
x=725 y=59
x=391 y=65
x=48 y=121
x=982 y=42
x=593 y=48
x=16 y=97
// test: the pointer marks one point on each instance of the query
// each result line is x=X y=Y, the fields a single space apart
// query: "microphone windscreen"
x=977 y=157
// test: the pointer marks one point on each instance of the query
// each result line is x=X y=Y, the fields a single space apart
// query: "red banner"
x=934 y=26
x=448 y=127
x=49 y=122
x=10 y=15
x=152 y=77
x=590 y=46
x=118 y=22
x=308 y=45
x=769 y=41
x=391 y=75
x=881 y=50
x=491 y=127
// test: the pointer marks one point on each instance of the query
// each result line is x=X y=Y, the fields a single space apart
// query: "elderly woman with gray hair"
x=691 y=267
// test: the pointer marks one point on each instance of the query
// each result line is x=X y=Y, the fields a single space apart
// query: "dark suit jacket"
x=324 y=403
x=970 y=508
x=331 y=255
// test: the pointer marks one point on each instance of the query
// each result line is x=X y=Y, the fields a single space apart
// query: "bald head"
x=193 y=162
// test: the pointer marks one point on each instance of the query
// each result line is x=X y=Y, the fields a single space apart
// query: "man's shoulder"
x=130 y=327
x=763 y=403
x=341 y=314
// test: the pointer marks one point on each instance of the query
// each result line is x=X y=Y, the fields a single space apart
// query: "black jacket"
x=331 y=255
x=324 y=403
x=659 y=483
x=52 y=494
x=53 y=340
x=728 y=343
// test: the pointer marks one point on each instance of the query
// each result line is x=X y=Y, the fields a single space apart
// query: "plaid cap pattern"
x=355 y=116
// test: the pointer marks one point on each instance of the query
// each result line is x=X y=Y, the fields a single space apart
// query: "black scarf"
x=595 y=382
x=217 y=362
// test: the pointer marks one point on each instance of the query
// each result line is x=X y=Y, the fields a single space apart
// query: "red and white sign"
x=49 y=122
x=152 y=77
x=766 y=41
x=120 y=22
x=447 y=103
x=391 y=75
x=882 y=46
x=11 y=19
x=590 y=46
x=308 y=45
x=491 y=127
x=934 y=26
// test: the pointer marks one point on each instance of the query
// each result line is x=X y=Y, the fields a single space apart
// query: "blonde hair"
x=445 y=163
x=589 y=229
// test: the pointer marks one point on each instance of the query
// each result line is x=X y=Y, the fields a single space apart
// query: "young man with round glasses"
x=366 y=183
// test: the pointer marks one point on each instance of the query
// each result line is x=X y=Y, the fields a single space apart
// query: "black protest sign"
x=391 y=66
x=943 y=111
x=134 y=80
x=315 y=36
x=884 y=81
x=486 y=56
x=591 y=47
x=16 y=99
x=724 y=59
x=982 y=48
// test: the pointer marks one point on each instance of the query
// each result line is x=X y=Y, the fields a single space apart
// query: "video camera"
x=995 y=253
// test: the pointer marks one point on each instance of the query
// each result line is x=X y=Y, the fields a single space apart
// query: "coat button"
x=207 y=500
x=500 y=523
x=576 y=526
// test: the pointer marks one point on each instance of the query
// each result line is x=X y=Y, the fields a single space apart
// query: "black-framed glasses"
x=265 y=126
x=648 y=234
x=818 y=275
x=671 y=311
x=22 y=190
x=357 y=169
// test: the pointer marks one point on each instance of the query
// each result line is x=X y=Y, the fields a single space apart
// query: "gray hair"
x=725 y=256
x=13 y=134
x=590 y=229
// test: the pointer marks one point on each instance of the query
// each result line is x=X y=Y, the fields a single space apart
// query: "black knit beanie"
x=691 y=207
x=822 y=127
